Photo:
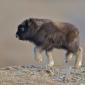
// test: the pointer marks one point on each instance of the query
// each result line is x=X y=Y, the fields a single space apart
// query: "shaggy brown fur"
x=47 y=34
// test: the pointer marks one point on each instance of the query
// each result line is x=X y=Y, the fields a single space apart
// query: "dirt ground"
x=37 y=75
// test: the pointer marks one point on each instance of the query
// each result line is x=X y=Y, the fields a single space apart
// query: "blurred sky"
x=13 y=12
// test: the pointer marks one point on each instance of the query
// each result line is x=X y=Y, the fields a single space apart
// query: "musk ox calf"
x=47 y=35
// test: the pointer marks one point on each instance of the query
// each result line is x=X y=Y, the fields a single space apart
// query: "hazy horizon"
x=13 y=12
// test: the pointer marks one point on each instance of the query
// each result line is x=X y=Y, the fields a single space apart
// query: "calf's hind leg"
x=68 y=56
x=79 y=56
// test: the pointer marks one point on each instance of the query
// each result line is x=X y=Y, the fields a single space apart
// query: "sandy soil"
x=37 y=75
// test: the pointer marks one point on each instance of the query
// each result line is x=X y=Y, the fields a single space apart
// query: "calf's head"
x=26 y=29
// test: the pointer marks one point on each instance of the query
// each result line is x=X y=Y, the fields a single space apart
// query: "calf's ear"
x=29 y=21
x=26 y=22
x=32 y=22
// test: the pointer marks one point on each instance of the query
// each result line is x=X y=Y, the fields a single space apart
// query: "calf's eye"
x=22 y=29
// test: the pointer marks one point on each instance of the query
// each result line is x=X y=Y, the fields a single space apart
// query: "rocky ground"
x=37 y=75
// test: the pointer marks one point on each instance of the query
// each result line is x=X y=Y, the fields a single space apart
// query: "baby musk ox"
x=47 y=35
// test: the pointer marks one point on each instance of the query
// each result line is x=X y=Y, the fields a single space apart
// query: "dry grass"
x=35 y=75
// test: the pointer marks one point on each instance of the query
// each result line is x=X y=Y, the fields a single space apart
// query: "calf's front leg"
x=50 y=59
x=37 y=54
